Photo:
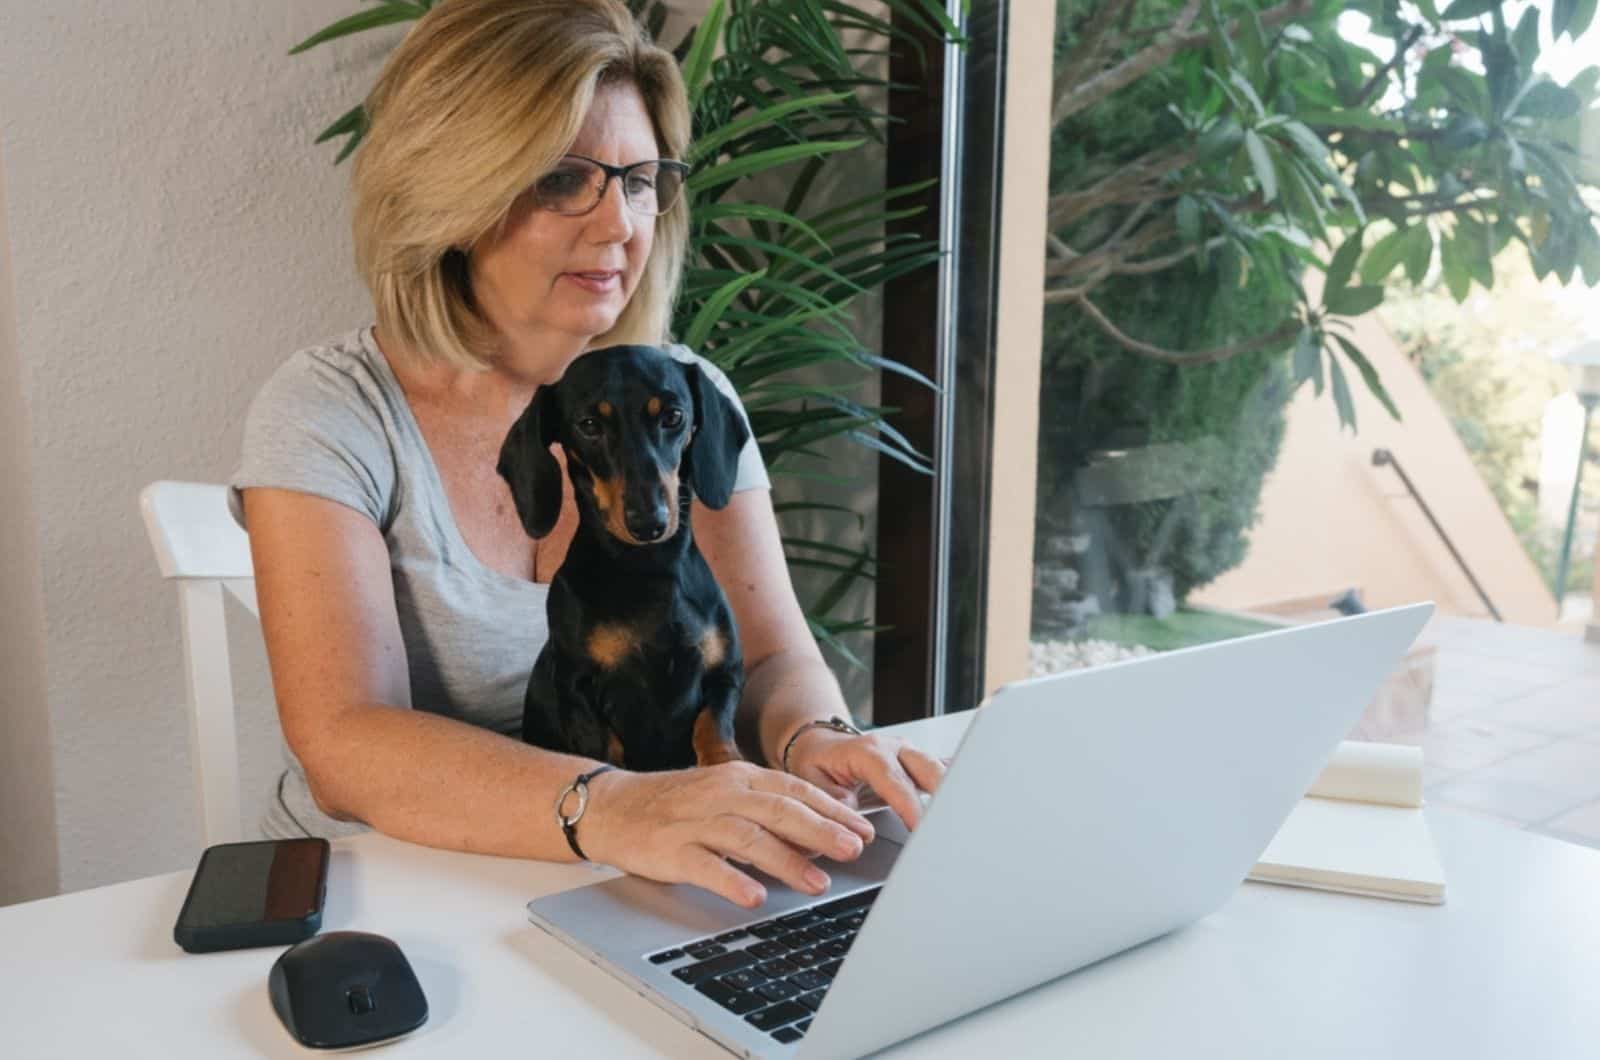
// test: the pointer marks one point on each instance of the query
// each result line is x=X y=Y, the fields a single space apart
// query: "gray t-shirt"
x=332 y=421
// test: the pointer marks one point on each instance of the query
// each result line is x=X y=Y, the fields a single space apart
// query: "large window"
x=1293 y=361
x=1306 y=278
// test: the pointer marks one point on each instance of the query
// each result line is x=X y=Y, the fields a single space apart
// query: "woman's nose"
x=612 y=219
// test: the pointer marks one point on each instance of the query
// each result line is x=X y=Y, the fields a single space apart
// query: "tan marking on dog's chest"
x=713 y=647
x=710 y=749
x=609 y=645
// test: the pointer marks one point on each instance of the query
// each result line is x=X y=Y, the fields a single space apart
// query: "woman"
x=392 y=571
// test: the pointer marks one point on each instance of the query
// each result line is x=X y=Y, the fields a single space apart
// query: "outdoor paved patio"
x=1514 y=727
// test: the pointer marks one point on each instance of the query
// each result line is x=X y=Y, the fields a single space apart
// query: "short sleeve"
x=314 y=429
x=752 y=474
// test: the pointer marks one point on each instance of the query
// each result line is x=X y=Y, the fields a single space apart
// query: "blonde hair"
x=480 y=99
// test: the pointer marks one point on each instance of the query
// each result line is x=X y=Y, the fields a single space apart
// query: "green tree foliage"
x=1274 y=136
x=1205 y=154
x=1103 y=397
x=1229 y=414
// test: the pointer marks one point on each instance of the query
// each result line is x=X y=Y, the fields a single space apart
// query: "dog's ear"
x=719 y=436
x=527 y=466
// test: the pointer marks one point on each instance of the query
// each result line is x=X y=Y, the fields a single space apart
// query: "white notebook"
x=1360 y=829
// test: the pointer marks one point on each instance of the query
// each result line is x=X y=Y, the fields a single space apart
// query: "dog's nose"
x=646 y=524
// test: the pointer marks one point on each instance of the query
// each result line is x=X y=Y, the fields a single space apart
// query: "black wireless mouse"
x=344 y=989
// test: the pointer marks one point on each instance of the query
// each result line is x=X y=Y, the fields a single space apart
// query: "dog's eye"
x=589 y=427
x=672 y=418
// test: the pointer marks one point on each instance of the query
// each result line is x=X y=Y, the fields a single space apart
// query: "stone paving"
x=1514 y=727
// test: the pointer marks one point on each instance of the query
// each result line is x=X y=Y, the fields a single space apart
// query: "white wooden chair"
x=198 y=545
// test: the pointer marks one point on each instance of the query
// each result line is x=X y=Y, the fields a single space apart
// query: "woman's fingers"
x=770 y=780
x=744 y=840
x=799 y=825
x=881 y=767
x=703 y=868
x=926 y=770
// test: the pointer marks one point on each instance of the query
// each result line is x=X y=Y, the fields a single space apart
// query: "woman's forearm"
x=781 y=693
x=440 y=782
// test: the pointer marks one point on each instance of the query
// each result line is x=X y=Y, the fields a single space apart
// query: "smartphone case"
x=248 y=934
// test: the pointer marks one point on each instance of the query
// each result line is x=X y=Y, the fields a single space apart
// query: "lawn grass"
x=1181 y=629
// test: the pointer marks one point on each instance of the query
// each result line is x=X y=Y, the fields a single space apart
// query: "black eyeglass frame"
x=620 y=172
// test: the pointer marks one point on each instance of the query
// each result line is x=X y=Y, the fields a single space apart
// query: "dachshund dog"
x=642 y=667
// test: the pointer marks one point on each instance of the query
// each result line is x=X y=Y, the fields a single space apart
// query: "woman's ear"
x=719 y=436
x=527 y=466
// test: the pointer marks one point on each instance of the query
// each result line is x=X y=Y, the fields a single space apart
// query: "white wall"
x=172 y=235
x=27 y=813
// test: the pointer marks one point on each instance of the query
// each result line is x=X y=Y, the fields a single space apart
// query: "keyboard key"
x=794 y=940
x=777 y=990
x=776 y=1016
x=835 y=948
x=735 y=1001
x=766 y=929
x=744 y=978
x=829 y=969
x=727 y=962
x=804 y=918
x=768 y=950
x=777 y=969
x=733 y=936
x=831 y=929
x=808 y=980
x=803 y=1026
x=701 y=950
x=787 y=1035
x=813 y=1000
x=806 y=958
x=850 y=904
x=665 y=955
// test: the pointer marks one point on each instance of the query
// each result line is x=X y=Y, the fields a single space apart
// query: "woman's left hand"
x=840 y=764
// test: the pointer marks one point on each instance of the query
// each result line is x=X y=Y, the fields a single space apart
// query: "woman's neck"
x=501 y=391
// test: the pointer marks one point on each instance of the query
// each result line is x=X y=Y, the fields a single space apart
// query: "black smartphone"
x=262 y=893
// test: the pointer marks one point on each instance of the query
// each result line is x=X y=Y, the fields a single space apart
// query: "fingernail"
x=816 y=879
x=756 y=896
x=849 y=846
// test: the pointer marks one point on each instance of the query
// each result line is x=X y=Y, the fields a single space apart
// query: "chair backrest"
x=198 y=545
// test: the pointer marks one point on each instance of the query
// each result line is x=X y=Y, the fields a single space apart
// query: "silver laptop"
x=1124 y=801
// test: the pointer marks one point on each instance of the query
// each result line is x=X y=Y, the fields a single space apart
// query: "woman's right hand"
x=680 y=826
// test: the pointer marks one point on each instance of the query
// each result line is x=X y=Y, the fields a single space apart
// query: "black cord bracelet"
x=569 y=825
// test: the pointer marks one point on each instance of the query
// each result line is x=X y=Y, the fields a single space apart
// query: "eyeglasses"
x=577 y=185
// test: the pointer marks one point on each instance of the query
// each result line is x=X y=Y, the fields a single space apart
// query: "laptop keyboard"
x=774 y=972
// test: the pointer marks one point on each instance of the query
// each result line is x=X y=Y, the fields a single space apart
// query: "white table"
x=1509 y=968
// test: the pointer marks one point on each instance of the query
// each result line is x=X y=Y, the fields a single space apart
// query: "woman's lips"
x=595 y=282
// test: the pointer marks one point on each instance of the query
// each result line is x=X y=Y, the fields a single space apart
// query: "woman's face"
x=551 y=279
